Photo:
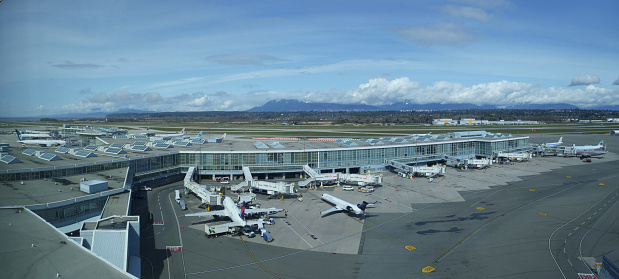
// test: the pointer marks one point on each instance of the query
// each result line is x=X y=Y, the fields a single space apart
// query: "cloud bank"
x=377 y=91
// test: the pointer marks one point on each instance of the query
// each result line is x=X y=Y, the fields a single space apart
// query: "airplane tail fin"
x=183 y=131
x=19 y=135
x=223 y=137
x=561 y=140
x=199 y=134
x=243 y=211
x=364 y=204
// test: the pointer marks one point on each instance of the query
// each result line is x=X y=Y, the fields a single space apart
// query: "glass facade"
x=350 y=157
x=233 y=161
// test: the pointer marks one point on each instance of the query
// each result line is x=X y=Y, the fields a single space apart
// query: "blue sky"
x=88 y=56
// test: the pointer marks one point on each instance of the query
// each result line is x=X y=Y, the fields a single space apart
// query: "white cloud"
x=381 y=92
x=377 y=91
x=442 y=33
x=466 y=12
x=585 y=80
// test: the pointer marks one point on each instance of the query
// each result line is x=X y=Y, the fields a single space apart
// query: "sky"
x=101 y=56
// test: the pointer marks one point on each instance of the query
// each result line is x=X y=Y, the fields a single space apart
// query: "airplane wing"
x=334 y=209
x=262 y=210
x=208 y=213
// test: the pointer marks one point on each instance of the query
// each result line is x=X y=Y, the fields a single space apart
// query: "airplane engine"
x=349 y=208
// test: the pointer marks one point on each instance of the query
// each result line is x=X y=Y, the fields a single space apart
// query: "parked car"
x=248 y=232
x=146 y=188
x=348 y=188
x=366 y=189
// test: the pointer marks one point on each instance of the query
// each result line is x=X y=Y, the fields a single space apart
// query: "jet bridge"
x=417 y=170
x=514 y=156
x=208 y=197
x=360 y=179
x=271 y=188
x=465 y=163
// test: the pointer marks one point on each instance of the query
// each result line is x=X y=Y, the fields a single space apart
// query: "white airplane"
x=39 y=142
x=599 y=146
x=223 y=137
x=198 y=136
x=182 y=133
x=554 y=143
x=38 y=135
x=341 y=205
x=237 y=215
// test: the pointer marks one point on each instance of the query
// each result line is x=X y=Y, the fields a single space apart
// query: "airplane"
x=199 y=136
x=182 y=133
x=589 y=147
x=39 y=142
x=554 y=143
x=341 y=205
x=237 y=215
x=38 y=135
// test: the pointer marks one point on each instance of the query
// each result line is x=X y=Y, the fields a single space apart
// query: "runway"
x=537 y=227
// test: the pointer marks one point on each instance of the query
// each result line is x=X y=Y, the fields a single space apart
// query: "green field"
x=339 y=131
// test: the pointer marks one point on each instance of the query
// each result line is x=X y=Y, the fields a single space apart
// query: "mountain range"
x=292 y=105
x=288 y=105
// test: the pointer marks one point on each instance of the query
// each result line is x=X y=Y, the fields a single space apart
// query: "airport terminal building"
x=42 y=180
x=273 y=158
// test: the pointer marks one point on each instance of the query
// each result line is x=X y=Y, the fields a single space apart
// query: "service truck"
x=216 y=230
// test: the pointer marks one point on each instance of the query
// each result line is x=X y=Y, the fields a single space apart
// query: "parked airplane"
x=39 y=142
x=182 y=133
x=198 y=136
x=37 y=135
x=554 y=143
x=589 y=147
x=237 y=215
x=341 y=205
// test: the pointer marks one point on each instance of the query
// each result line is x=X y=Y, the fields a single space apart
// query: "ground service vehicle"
x=216 y=230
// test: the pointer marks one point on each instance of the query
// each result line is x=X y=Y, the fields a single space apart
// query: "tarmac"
x=468 y=224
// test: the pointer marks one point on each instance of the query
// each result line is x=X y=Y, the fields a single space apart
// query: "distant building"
x=473 y=121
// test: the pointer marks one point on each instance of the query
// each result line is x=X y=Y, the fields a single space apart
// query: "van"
x=267 y=236
x=182 y=204
x=348 y=188
x=178 y=195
